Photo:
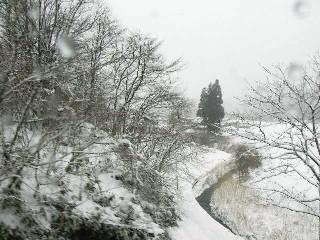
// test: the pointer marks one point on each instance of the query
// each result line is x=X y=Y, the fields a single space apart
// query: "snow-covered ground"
x=94 y=192
x=249 y=212
x=97 y=193
x=196 y=224
x=106 y=197
x=241 y=212
x=280 y=170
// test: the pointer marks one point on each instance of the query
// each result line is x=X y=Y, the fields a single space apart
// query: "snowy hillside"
x=64 y=201
x=95 y=195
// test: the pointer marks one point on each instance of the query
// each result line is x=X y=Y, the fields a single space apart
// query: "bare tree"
x=141 y=81
x=66 y=68
x=284 y=118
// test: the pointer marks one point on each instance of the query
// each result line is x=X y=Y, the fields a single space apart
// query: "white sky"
x=226 y=39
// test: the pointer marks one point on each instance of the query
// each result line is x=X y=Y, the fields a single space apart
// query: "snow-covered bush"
x=246 y=159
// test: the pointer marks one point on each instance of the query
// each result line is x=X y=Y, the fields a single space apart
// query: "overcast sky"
x=226 y=39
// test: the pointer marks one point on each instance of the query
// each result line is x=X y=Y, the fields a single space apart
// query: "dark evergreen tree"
x=203 y=105
x=210 y=107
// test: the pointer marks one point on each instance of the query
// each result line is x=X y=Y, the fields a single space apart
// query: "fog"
x=229 y=40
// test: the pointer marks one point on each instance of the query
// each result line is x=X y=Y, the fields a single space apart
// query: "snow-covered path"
x=196 y=224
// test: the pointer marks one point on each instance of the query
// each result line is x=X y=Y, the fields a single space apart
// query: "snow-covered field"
x=282 y=171
x=242 y=212
x=253 y=208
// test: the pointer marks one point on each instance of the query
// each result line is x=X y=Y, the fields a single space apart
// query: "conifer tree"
x=203 y=105
x=210 y=107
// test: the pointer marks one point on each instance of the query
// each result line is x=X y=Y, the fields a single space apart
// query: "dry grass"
x=239 y=207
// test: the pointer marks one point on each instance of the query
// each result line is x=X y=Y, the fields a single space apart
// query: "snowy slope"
x=93 y=192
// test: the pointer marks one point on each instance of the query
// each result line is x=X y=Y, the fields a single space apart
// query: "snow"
x=210 y=166
x=258 y=216
x=65 y=47
x=202 y=172
x=121 y=205
x=107 y=198
x=9 y=219
x=196 y=223
x=265 y=179
x=190 y=130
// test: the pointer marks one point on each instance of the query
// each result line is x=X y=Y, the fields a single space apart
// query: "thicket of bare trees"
x=285 y=120
x=66 y=63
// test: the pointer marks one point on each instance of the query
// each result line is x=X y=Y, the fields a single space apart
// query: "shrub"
x=246 y=159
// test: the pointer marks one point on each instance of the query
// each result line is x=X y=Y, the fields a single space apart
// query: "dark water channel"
x=207 y=195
